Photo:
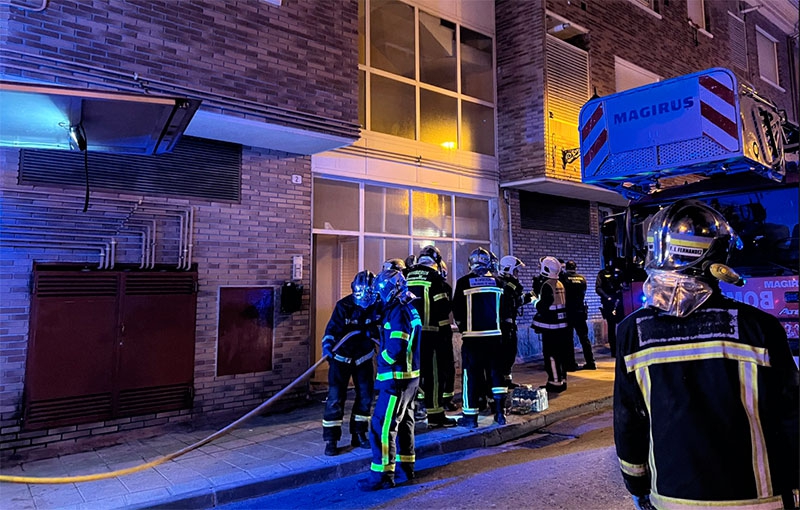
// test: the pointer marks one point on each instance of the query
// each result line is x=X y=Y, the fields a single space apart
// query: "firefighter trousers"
x=392 y=425
x=480 y=359
x=437 y=367
x=339 y=375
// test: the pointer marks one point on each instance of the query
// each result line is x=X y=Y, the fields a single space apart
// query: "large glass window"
x=428 y=79
x=384 y=231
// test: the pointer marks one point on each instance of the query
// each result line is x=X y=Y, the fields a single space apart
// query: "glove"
x=326 y=351
x=642 y=502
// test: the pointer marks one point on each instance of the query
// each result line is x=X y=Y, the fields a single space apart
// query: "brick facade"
x=299 y=58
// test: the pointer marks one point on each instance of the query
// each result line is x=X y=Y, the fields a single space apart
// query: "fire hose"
x=161 y=460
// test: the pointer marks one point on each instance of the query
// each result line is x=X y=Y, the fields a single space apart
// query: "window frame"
x=775 y=54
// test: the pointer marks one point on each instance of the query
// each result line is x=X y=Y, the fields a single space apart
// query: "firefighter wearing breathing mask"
x=705 y=390
x=392 y=423
x=351 y=320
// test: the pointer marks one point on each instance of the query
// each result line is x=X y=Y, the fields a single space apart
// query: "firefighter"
x=551 y=322
x=575 y=293
x=433 y=305
x=392 y=424
x=609 y=287
x=509 y=272
x=476 y=306
x=352 y=318
x=705 y=390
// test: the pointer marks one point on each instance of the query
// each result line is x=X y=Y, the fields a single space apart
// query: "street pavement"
x=269 y=453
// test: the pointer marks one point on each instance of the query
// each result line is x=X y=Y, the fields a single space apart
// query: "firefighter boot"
x=360 y=440
x=469 y=421
x=331 y=448
x=500 y=410
x=376 y=481
x=436 y=420
x=407 y=468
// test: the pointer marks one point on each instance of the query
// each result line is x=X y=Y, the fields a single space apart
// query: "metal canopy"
x=43 y=116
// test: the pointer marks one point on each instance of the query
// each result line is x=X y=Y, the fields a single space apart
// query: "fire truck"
x=707 y=136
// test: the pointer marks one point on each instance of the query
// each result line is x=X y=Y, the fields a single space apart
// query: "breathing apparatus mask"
x=688 y=245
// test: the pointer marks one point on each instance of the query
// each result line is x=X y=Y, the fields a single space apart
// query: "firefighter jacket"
x=398 y=352
x=348 y=317
x=476 y=305
x=575 y=292
x=433 y=297
x=514 y=299
x=609 y=287
x=551 y=308
x=705 y=407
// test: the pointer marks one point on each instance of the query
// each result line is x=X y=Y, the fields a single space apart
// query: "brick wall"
x=297 y=56
x=301 y=56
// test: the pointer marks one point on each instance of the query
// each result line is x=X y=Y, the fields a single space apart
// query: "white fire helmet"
x=550 y=267
x=509 y=265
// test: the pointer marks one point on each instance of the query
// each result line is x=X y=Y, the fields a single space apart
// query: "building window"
x=427 y=79
x=629 y=75
x=697 y=13
x=767 y=57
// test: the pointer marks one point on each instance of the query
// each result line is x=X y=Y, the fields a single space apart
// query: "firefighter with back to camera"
x=352 y=319
x=609 y=287
x=509 y=272
x=397 y=381
x=476 y=306
x=705 y=390
x=575 y=293
x=551 y=322
x=433 y=305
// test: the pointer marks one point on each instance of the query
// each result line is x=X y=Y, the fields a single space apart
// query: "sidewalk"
x=269 y=453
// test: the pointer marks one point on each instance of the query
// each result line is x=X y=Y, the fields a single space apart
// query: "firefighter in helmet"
x=509 y=272
x=476 y=304
x=551 y=322
x=425 y=281
x=705 y=390
x=575 y=292
x=350 y=323
x=397 y=381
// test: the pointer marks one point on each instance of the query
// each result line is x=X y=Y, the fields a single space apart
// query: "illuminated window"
x=426 y=78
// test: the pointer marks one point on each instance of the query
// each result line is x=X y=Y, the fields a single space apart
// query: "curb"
x=478 y=438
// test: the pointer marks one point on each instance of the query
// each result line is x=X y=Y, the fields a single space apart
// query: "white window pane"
x=472 y=218
x=437 y=51
x=328 y=210
x=767 y=61
x=477 y=128
x=697 y=12
x=477 y=64
x=385 y=210
x=392 y=37
x=432 y=216
x=438 y=119
x=393 y=107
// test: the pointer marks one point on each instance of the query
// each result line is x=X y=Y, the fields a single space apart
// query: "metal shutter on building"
x=567 y=89
x=738 y=41
x=196 y=168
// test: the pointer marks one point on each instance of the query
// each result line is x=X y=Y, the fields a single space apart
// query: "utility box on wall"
x=246 y=323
